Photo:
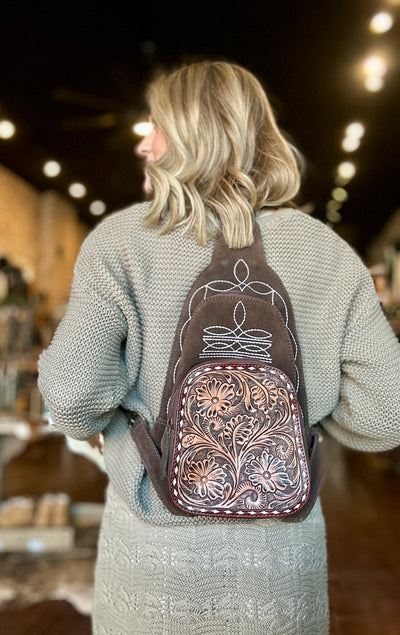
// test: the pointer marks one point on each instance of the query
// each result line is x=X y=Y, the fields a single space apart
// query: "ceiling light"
x=381 y=22
x=333 y=215
x=77 y=190
x=52 y=168
x=97 y=208
x=339 y=194
x=374 y=66
x=7 y=129
x=142 y=128
x=373 y=84
x=355 y=130
x=346 y=169
x=333 y=205
x=349 y=144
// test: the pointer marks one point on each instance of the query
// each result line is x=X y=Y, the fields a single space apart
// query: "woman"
x=214 y=159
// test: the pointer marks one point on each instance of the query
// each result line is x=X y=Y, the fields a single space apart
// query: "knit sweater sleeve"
x=367 y=414
x=82 y=375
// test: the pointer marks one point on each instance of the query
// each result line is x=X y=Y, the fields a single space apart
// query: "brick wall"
x=19 y=209
x=60 y=238
x=41 y=234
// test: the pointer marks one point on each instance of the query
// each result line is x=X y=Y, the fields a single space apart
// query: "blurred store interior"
x=72 y=94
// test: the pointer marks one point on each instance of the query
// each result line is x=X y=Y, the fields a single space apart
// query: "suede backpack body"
x=232 y=439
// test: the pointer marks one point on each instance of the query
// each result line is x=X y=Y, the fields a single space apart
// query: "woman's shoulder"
x=301 y=228
x=291 y=218
x=291 y=235
x=113 y=230
x=122 y=220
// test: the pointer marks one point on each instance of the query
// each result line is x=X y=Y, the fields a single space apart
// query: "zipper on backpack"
x=165 y=447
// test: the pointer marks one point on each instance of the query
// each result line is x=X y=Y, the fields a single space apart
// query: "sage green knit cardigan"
x=114 y=342
x=161 y=574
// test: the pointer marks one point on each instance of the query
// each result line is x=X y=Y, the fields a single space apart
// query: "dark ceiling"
x=73 y=83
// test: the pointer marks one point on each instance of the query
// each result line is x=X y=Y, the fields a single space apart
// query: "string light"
x=355 y=130
x=7 y=129
x=353 y=134
x=333 y=216
x=339 y=194
x=333 y=205
x=350 y=144
x=97 y=208
x=346 y=170
x=332 y=211
x=381 y=22
x=344 y=173
x=142 y=128
x=373 y=84
x=374 y=69
x=52 y=168
x=77 y=190
x=374 y=66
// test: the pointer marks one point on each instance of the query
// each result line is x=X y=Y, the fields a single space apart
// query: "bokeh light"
x=355 y=130
x=350 y=144
x=97 y=208
x=381 y=22
x=339 y=194
x=373 y=84
x=374 y=66
x=7 y=129
x=52 y=168
x=346 y=170
x=77 y=190
x=142 y=128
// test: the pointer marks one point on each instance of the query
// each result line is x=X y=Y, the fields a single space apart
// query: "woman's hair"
x=225 y=157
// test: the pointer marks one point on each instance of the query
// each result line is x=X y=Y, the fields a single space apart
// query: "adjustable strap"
x=151 y=457
x=316 y=475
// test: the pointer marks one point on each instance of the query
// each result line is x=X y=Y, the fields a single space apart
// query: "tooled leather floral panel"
x=239 y=449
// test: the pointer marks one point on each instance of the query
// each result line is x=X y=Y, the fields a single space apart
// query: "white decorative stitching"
x=225 y=286
x=223 y=341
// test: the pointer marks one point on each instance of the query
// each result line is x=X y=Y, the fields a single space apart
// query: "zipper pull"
x=165 y=447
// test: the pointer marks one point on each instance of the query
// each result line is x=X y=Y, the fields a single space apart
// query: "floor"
x=361 y=502
x=360 y=496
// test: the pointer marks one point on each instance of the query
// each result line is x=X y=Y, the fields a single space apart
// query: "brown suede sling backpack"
x=232 y=439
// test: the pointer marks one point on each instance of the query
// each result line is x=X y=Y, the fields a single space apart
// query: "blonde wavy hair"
x=225 y=157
